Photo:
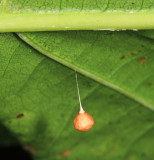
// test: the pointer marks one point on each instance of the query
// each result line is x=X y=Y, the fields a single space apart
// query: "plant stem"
x=73 y=20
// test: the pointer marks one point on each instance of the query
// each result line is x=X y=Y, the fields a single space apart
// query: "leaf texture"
x=44 y=93
x=120 y=60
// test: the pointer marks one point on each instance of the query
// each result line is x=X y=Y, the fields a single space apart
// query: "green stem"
x=71 y=20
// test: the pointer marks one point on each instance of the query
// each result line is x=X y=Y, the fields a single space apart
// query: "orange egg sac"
x=83 y=122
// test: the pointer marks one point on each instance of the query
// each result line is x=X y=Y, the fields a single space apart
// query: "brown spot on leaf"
x=142 y=60
x=133 y=3
x=65 y=153
x=50 y=138
x=112 y=149
x=123 y=57
x=30 y=149
x=20 y=115
x=128 y=157
x=149 y=84
x=133 y=54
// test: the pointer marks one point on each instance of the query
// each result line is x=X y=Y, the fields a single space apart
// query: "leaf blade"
x=45 y=93
x=96 y=58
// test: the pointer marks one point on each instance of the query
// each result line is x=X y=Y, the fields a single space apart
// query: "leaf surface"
x=120 y=60
x=44 y=93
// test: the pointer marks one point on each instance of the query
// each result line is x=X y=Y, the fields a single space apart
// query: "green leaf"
x=120 y=60
x=39 y=102
x=147 y=33
x=43 y=15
